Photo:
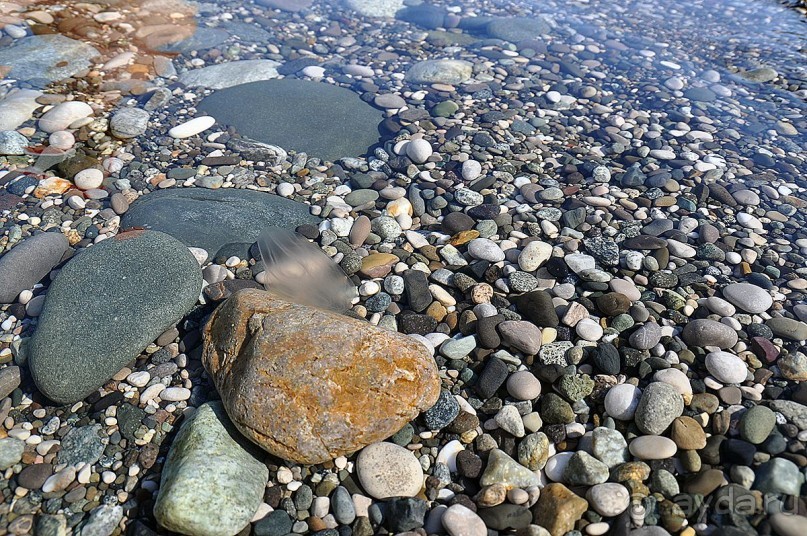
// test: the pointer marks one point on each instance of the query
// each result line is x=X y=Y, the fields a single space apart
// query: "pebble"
x=747 y=297
x=609 y=499
x=388 y=470
x=726 y=368
x=523 y=385
x=458 y=520
x=653 y=447
x=658 y=407
x=192 y=127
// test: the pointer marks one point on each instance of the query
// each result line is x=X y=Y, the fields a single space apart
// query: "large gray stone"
x=105 y=306
x=28 y=262
x=215 y=219
x=517 y=29
x=232 y=73
x=317 y=118
x=213 y=480
x=50 y=57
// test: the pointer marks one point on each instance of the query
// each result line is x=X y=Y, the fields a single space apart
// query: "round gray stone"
x=105 y=306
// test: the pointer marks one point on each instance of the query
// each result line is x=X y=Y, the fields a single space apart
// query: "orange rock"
x=558 y=509
x=52 y=186
x=463 y=237
x=309 y=385
x=377 y=264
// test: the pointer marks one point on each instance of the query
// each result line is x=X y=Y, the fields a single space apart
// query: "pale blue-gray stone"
x=213 y=480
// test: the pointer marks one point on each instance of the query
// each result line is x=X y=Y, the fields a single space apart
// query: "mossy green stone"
x=757 y=424
x=445 y=109
x=213 y=480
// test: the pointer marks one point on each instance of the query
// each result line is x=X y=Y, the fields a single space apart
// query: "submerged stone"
x=105 y=306
x=215 y=219
x=317 y=118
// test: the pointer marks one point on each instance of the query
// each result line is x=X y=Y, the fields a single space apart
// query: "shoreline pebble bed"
x=575 y=268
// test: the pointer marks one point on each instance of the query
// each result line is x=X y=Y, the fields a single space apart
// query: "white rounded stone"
x=621 y=401
x=459 y=520
x=609 y=499
x=388 y=470
x=653 y=447
x=192 y=127
x=88 y=179
x=419 y=150
x=726 y=367
x=61 y=116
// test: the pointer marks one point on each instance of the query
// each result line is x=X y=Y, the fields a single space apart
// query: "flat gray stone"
x=750 y=298
x=317 y=118
x=706 y=332
x=50 y=57
x=215 y=219
x=105 y=306
x=212 y=482
x=28 y=262
x=516 y=29
x=129 y=122
x=230 y=74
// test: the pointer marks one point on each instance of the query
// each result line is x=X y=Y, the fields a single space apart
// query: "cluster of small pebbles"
x=592 y=216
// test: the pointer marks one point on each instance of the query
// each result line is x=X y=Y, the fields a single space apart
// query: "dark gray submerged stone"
x=213 y=480
x=320 y=119
x=215 y=219
x=105 y=306
x=47 y=57
x=28 y=262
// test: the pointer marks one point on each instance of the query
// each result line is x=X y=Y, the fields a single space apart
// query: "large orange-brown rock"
x=309 y=385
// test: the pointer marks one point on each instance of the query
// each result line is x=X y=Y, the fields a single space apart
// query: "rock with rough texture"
x=440 y=71
x=231 y=73
x=12 y=143
x=388 y=470
x=558 y=509
x=750 y=298
x=659 y=406
x=502 y=469
x=105 y=306
x=706 y=332
x=11 y=450
x=215 y=219
x=309 y=385
x=320 y=119
x=212 y=482
x=28 y=262
x=129 y=123
x=50 y=57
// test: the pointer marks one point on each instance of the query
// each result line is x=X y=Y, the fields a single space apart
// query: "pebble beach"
x=348 y=268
